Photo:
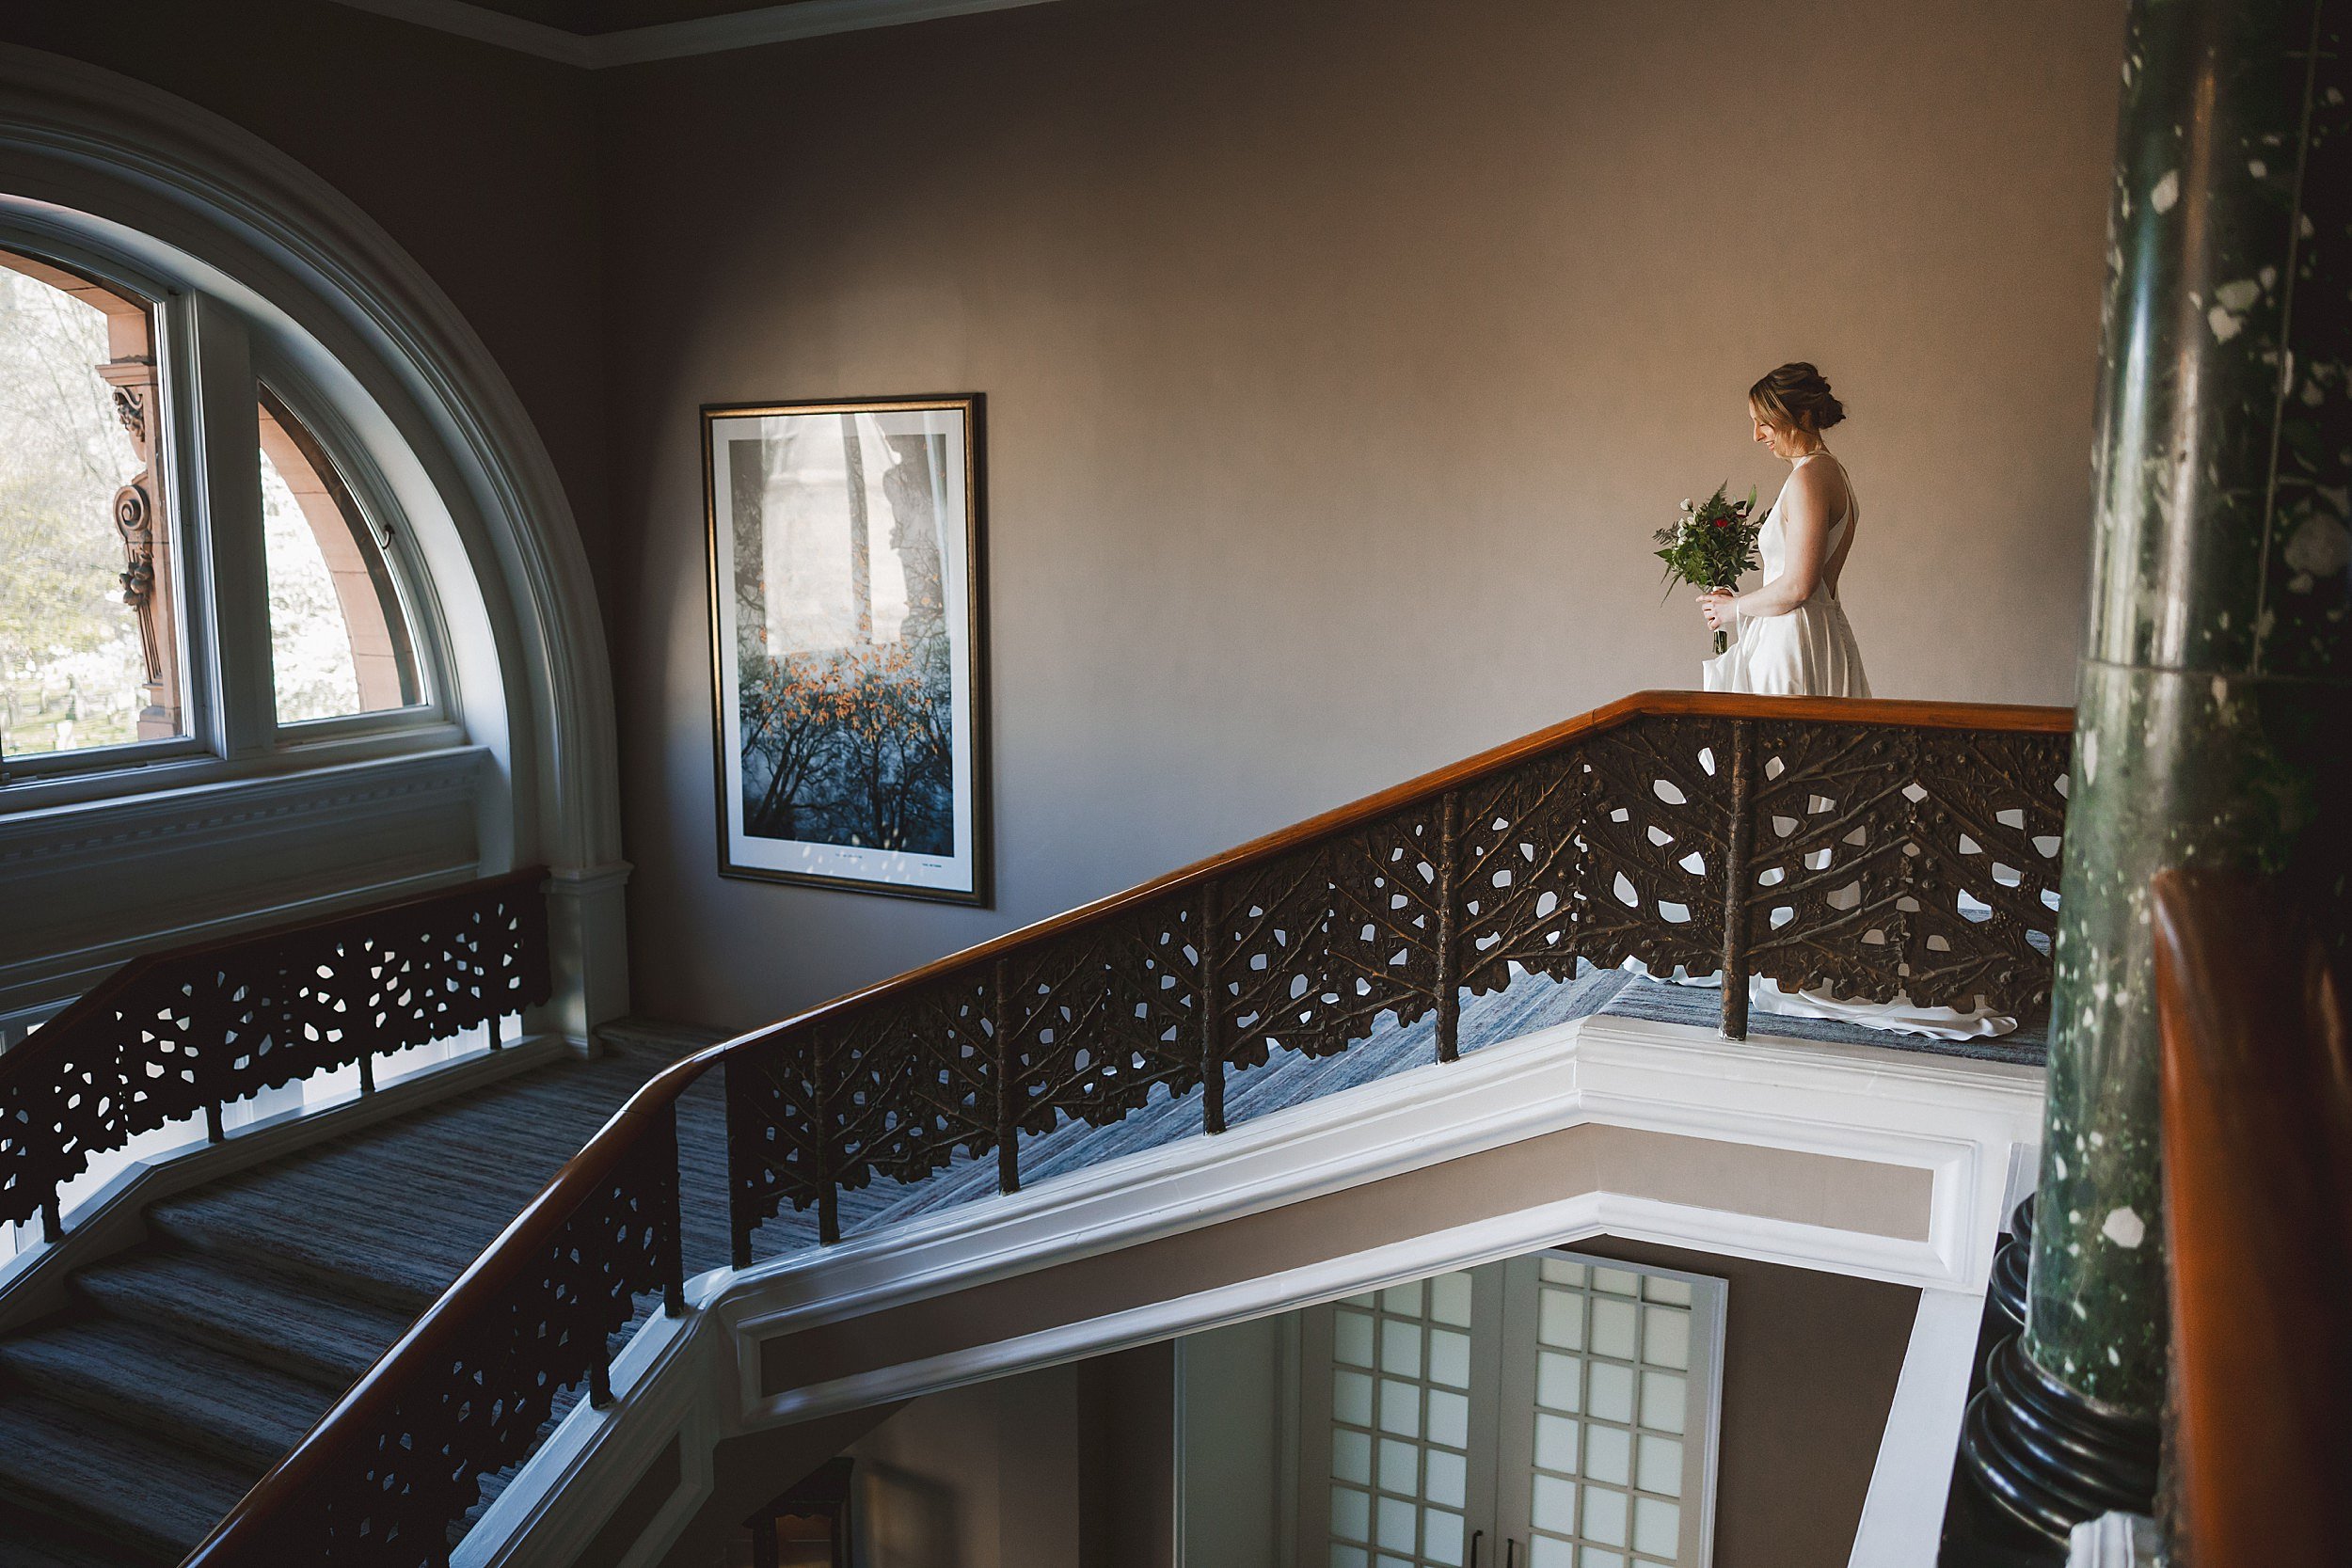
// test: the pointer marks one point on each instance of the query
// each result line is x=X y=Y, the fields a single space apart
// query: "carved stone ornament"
x=135 y=519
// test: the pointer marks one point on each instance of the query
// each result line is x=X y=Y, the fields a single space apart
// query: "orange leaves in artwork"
x=855 y=739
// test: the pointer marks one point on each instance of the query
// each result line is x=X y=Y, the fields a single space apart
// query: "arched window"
x=113 y=584
x=281 y=541
x=89 y=653
x=339 y=641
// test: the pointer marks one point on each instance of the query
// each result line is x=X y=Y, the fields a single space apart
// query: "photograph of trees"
x=842 y=652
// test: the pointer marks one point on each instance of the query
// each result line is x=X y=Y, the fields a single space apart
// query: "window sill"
x=205 y=856
x=144 y=779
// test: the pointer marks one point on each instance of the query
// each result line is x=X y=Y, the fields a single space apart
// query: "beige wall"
x=1340 y=356
x=1068 y=1468
x=478 y=161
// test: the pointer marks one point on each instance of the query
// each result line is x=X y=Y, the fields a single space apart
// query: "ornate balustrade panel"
x=474 y=1405
x=185 y=1033
x=1316 y=946
x=1874 y=858
x=912 y=1081
x=1096 y=1023
x=1656 y=829
x=778 y=1135
x=1906 y=860
x=1521 y=862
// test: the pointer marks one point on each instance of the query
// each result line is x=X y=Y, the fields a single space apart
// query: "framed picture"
x=849 y=661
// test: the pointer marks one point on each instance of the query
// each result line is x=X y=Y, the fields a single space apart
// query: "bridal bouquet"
x=1710 y=545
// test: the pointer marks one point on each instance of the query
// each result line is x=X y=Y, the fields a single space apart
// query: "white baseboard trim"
x=672 y=40
x=1957 y=1119
x=1562 y=1224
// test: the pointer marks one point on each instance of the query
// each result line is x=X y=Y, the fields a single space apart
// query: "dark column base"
x=2035 y=1457
x=2005 y=1298
x=2011 y=1262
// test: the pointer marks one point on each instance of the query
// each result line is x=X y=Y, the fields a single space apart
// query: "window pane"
x=338 y=643
x=89 y=623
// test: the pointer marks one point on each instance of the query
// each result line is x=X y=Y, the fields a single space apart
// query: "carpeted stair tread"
x=160 y=1498
x=35 y=1541
x=399 y=1210
x=306 y=1327
x=243 y=1410
x=196 y=1360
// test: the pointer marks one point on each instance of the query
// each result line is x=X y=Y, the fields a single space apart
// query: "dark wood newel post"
x=1212 y=1017
x=1739 y=845
x=828 y=1196
x=741 y=1204
x=669 y=1215
x=1449 y=984
x=1008 y=1086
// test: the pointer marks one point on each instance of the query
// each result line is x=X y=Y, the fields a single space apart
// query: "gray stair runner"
x=184 y=1367
x=187 y=1366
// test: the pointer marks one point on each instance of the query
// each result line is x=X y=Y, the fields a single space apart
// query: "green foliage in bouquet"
x=1710 y=545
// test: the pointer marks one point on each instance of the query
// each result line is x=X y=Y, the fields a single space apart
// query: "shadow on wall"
x=905 y=1520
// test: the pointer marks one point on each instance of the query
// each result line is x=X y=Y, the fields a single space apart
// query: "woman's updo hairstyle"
x=1797 y=397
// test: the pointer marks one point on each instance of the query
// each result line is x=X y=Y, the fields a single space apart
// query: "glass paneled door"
x=1554 y=1411
x=1399 y=1464
x=1606 y=1449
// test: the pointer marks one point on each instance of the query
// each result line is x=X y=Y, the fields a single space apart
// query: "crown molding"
x=671 y=41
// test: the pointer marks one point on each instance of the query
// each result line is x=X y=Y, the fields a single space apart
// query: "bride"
x=1789 y=637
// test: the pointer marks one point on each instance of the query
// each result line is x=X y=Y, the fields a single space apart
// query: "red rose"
x=1722 y=522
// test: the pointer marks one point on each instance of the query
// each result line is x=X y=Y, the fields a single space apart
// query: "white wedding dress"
x=1811 y=652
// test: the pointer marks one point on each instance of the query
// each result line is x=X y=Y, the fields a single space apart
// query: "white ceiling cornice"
x=671 y=41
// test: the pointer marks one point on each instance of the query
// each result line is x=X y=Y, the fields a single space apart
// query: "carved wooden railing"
x=1813 y=842
x=1878 y=847
x=2257 y=1100
x=189 y=1031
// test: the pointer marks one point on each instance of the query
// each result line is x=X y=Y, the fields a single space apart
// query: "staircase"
x=1884 y=847
x=187 y=1367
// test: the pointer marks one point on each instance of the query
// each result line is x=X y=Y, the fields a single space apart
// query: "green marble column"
x=2215 y=702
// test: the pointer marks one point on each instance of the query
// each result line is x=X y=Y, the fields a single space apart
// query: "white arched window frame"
x=271 y=278
x=215 y=366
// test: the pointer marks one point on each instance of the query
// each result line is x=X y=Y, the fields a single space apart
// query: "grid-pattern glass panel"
x=1400 y=1426
x=1612 y=1393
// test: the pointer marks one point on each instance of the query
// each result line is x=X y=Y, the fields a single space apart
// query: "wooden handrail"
x=2256 y=1088
x=89 y=1025
x=331 y=1448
